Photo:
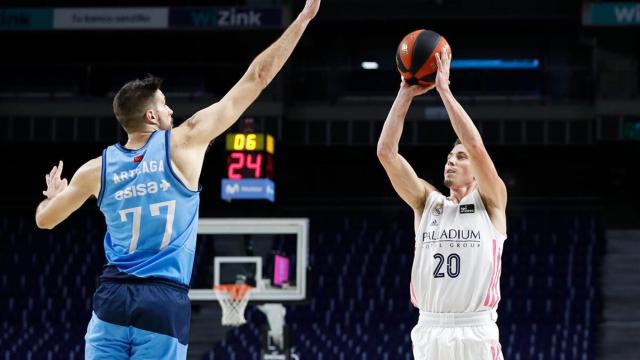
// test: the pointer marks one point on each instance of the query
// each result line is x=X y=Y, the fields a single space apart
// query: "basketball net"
x=233 y=299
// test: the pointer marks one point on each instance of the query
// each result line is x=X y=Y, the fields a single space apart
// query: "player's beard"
x=448 y=183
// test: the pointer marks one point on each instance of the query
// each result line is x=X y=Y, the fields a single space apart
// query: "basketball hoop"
x=233 y=299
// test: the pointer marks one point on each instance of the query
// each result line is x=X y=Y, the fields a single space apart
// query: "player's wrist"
x=305 y=17
x=444 y=89
x=405 y=92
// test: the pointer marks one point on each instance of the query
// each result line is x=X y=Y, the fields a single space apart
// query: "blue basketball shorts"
x=138 y=320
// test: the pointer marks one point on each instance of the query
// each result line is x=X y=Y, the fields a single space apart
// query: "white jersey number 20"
x=453 y=265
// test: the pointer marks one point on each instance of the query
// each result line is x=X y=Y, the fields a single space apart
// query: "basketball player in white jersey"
x=459 y=237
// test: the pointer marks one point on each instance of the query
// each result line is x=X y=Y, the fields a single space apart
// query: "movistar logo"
x=232 y=189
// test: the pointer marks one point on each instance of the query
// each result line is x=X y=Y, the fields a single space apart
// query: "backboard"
x=270 y=254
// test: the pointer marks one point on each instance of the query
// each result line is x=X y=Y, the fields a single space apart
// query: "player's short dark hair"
x=458 y=142
x=131 y=101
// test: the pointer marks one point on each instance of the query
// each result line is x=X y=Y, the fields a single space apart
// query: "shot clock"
x=249 y=167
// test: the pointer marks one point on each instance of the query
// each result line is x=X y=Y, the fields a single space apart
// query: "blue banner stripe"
x=495 y=64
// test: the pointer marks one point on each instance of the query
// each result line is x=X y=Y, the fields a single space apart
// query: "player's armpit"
x=84 y=183
x=490 y=185
x=412 y=189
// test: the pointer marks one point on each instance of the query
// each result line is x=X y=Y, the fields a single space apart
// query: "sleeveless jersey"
x=457 y=260
x=151 y=216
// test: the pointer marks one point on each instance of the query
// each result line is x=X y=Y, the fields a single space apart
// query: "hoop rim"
x=236 y=291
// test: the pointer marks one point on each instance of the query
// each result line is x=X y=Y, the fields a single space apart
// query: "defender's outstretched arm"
x=210 y=122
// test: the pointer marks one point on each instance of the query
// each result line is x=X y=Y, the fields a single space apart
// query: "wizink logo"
x=627 y=14
x=226 y=18
x=611 y=14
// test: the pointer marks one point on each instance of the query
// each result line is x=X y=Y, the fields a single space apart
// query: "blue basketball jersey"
x=151 y=216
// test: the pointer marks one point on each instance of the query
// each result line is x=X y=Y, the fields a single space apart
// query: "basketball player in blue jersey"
x=459 y=238
x=149 y=194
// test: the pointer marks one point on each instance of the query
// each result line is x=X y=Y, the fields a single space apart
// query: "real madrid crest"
x=437 y=210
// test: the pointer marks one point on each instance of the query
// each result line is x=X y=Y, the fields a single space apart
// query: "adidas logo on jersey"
x=434 y=222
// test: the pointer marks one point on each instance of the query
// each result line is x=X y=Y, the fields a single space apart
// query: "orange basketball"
x=416 y=59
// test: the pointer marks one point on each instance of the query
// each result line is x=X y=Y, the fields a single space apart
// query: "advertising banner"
x=26 y=19
x=248 y=189
x=111 y=18
x=213 y=18
x=611 y=14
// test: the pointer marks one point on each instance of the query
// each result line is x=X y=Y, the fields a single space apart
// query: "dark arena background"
x=551 y=85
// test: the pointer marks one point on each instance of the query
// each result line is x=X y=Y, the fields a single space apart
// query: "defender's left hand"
x=55 y=185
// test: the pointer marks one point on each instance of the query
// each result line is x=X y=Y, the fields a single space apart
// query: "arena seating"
x=359 y=304
x=46 y=286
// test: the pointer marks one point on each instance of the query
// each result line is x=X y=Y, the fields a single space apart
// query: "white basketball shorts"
x=456 y=336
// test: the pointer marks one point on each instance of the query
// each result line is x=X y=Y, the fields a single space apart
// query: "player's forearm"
x=270 y=61
x=393 y=125
x=462 y=124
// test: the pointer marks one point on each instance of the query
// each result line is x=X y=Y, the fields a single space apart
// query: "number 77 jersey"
x=457 y=260
x=151 y=215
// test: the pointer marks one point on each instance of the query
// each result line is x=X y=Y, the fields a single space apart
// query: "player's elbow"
x=259 y=75
x=264 y=78
x=43 y=223
x=384 y=152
